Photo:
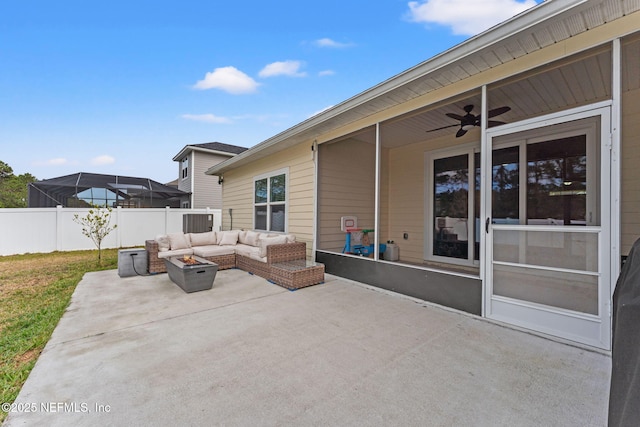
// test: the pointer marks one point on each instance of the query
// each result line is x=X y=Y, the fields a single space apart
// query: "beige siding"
x=346 y=187
x=630 y=171
x=185 y=184
x=238 y=192
x=207 y=192
x=407 y=200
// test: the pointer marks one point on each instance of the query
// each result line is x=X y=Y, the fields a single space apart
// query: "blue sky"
x=120 y=87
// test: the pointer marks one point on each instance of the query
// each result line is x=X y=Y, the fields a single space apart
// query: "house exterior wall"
x=405 y=171
x=630 y=185
x=206 y=192
x=186 y=184
x=238 y=192
x=346 y=187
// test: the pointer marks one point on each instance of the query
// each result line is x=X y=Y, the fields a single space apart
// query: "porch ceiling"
x=548 y=23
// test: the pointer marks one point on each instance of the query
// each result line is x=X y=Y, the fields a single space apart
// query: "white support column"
x=376 y=238
x=485 y=167
x=314 y=246
x=616 y=146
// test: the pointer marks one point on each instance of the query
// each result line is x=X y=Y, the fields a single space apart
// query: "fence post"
x=118 y=228
x=59 y=232
x=166 y=219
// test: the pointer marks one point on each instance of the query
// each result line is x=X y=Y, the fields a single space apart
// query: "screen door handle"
x=486 y=225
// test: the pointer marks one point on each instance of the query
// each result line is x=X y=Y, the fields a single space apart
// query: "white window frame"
x=559 y=131
x=184 y=168
x=269 y=203
x=430 y=157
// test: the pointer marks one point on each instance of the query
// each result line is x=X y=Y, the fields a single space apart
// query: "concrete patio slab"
x=140 y=351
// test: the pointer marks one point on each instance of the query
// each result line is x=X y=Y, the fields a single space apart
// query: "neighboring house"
x=193 y=161
x=84 y=189
x=505 y=168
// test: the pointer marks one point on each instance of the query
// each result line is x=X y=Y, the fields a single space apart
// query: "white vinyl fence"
x=41 y=230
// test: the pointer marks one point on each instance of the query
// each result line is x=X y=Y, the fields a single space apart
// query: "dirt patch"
x=27 y=357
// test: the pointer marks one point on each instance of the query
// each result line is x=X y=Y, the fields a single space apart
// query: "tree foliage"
x=96 y=226
x=13 y=188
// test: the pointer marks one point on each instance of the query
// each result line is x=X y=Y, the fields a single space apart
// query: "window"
x=453 y=178
x=184 y=168
x=270 y=201
x=547 y=180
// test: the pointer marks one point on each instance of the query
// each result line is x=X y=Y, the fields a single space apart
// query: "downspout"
x=193 y=180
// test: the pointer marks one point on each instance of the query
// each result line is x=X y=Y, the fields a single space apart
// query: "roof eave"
x=492 y=36
x=188 y=148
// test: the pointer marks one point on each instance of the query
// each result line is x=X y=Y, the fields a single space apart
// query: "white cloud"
x=327 y=42
x=321 y=111
x=466 y=17
x=229 y=79
x=326 y=73
x=207 y=118
x=56 y=161
x=103 y=160
x=283 y=68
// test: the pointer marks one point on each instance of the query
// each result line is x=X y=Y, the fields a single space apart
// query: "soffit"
x=542 y=26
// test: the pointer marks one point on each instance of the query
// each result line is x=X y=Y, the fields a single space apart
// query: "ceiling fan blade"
x=493 y=123
x=460 y=133
x=443 y=127
x=498 y=111
x=454 y=116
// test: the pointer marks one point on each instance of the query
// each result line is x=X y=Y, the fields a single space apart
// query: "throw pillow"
x=203 y=239
x=252 y=238
x=229 y=238
x=179 y=241
x=278 y=240
x=164 y=244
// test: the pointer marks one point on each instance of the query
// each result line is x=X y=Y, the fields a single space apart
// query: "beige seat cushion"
x=247 y=250
x=213 y=250
x=176 y=252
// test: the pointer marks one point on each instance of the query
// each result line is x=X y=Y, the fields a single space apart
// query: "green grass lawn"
x=35 y=290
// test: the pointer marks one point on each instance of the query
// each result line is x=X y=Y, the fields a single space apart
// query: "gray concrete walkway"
x=139 y=351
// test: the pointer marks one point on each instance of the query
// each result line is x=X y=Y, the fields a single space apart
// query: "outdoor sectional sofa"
x=247 y=250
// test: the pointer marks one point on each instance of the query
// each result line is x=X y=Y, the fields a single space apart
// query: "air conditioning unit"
x=197 y=223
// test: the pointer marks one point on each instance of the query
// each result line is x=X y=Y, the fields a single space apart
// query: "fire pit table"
x=192 y=274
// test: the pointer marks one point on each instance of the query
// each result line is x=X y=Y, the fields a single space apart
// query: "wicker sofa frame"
x=275 y=253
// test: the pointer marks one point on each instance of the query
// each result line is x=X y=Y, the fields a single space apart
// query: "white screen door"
x=547 y=234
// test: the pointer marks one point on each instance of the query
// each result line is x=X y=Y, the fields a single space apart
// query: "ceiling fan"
x=468 y=121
